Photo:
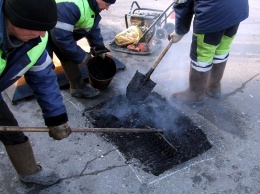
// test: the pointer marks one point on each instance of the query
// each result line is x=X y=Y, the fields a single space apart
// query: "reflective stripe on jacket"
x=33 y=55
x=87 y=16
x=32 y=60
x=73 y=16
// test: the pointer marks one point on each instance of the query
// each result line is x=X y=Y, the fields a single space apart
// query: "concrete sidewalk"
x=89 y=165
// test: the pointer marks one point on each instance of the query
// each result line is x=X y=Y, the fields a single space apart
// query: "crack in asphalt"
x=97 y=171
x=82 y=172
x=241 y=88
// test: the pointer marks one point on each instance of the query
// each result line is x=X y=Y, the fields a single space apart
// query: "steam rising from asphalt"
x=171 y=74
x=154 y=112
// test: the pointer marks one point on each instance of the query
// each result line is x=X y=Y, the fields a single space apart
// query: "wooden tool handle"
x=93 y=130
x=159 y=58
x=162 y=54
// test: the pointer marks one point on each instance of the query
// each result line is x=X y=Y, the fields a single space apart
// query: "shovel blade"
x=139 y=88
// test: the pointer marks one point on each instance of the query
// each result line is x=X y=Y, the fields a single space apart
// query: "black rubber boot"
x=22 y=158
x=77 y=86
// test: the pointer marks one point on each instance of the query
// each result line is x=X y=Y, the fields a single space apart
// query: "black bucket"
x=101 y=71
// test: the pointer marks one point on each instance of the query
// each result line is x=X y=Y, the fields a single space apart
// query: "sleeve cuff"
x=56 y=120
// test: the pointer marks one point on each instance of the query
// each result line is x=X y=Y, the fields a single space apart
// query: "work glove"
x=175 y=37
x=59 y=132
x=98 y=50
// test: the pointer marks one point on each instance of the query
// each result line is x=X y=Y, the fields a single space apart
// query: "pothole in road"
x=154 y=153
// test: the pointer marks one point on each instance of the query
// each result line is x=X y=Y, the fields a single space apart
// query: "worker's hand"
x=98 y=50
x=175 y=37
x=60 y=132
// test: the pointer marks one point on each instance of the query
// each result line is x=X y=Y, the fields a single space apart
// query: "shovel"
x=141 y=85
x=93 y=130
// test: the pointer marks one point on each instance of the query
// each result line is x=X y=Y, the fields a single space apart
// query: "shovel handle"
x=159 y=58
x=93 y=130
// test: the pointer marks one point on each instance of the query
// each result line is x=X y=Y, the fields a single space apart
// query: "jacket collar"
x=94 y=6
x=11 y=41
